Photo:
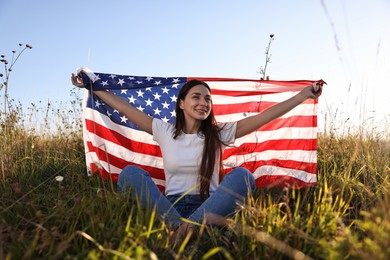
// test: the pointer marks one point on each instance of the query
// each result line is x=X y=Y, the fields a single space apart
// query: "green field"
x=346 y=216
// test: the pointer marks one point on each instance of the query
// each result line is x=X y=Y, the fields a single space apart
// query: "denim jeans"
x=235 y=187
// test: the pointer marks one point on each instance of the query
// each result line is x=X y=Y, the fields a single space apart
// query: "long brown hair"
x=209 y=129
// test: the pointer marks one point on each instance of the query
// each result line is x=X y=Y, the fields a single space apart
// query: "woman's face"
x=197 y=103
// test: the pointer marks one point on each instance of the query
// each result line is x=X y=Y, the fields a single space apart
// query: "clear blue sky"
x=344 y=42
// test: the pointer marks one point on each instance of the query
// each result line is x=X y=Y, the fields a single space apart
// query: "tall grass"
x=347 y=215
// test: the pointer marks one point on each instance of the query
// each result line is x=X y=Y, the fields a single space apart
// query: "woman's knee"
x=241 y=174
x=130 y=175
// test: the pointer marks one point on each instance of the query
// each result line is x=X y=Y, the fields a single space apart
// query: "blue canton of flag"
x=154 y=96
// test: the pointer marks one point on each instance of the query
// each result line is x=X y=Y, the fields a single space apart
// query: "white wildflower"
x=59 y=178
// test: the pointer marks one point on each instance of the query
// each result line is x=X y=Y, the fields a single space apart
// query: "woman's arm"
x=139 y=118
x=250 y=124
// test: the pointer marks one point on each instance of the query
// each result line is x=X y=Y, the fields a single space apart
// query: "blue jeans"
x=235 y=187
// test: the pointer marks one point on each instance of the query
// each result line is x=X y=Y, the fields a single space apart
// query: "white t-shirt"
x=182 y=157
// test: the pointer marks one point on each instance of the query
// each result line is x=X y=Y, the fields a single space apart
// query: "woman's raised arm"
x=250 y=124
x=139 y=118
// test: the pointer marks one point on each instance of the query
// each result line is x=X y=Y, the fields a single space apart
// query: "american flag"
x=281 y=153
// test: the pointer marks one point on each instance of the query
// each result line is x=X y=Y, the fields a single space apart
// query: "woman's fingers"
x=317 y=86
x=77 y=81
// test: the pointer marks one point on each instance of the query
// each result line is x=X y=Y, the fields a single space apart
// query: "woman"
x=192 y=155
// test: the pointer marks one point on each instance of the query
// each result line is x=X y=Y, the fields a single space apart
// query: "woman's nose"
x=203 y=102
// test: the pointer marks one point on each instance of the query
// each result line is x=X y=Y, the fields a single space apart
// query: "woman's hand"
x=314 y=91
x=77 y=81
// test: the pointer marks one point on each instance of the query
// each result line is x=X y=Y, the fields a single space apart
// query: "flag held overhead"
x=281 y=153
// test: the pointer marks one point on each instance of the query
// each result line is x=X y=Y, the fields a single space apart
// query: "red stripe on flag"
x=254 y=106
x=293 y=121
x=290 y=164
x=278 y=145
x=121 y=163
x=121 y=140
x=237 y=93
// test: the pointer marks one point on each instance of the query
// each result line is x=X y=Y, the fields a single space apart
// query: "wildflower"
x=59 y=178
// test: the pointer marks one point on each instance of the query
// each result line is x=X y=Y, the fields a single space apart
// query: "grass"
x=346 y=216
